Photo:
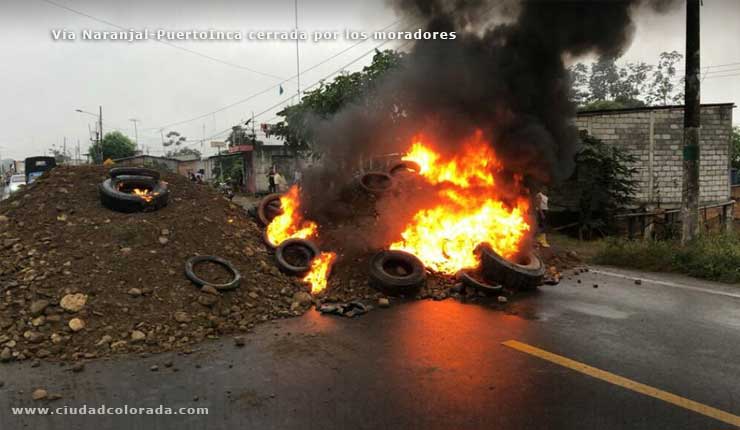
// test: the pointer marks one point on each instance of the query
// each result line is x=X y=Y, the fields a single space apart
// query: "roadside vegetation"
x=712 y=256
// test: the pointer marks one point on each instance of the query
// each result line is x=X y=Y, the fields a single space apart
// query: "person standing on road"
x=271 y=180
x=541 y=206
x=280 y=183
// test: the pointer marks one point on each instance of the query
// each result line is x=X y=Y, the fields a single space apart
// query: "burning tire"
x=474 y=279
x=193 y=261
x=404 y=167
x=133 y=190
x=268 y=208
x=396 y=272
x=133 y=171
x=376 y=182
x=294 y=256
x=525 y=274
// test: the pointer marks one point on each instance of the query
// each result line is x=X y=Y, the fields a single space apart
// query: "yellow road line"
x=626 y=383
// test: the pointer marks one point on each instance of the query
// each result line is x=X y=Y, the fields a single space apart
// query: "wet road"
x=436 y=365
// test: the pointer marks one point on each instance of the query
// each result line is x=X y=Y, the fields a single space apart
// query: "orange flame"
x=145 y=195
x=468 y=211
x=290 y=222
x=319 y=273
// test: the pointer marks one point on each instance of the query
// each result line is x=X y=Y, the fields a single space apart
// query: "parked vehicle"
x=36 y=166
x=16 y=182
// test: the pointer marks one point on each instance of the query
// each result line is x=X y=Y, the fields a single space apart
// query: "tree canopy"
x=183 y=151
x=330 y=97
x=114 y=145
x=604 y=84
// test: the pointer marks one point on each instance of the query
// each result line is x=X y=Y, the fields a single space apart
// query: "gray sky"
x=43 y=81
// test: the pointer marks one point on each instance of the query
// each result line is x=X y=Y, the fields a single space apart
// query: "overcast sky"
x=43 y=81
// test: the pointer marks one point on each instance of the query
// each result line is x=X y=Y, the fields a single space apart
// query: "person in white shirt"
x=541 y=206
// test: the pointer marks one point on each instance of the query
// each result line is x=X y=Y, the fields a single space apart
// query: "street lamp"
x=100 y=126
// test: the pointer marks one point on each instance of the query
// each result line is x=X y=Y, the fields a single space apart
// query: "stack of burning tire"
x=133 y=189
x=524 y=272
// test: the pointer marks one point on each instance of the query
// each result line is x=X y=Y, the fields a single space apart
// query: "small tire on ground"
x=268 y=208
x=114 y=199
x=474 y=279
x=396 y=273
x=193 y=261
x=404 y=167
x=526 y=274
x=376 y=183
x=294 y=256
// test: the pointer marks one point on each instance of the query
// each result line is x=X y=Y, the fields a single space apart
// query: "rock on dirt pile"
x=80 y=281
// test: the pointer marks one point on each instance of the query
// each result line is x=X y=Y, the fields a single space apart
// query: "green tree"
x=602 y=184
x=174 y=138
x=662 y=88
x=114 y=145
x=183 y=151
x=735 y=149
x=606 y=85
x=328 y=98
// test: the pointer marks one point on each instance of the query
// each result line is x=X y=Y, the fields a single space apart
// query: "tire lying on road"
x=376 y=183
x=526 y=273
x=294 y=256
x=268 y=208
x=193 y=261
x=116 y=193
x=474 y=279
x=396 y=273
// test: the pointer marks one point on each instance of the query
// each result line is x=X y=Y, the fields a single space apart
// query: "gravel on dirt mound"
x=80 y=281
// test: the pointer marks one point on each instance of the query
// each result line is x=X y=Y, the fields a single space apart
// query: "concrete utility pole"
x=136 y=132
x=692 y=123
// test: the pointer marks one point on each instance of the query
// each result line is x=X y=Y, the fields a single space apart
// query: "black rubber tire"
x=404 y=167
x=510 y=274
x=133 y=171
x=193 y=261
x=119 y=201
x=393 y=284
x=469 y=280
x=305 y=246
x=376 y=183
x=263 y=209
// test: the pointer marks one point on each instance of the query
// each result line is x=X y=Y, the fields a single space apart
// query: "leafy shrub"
x=714 y=256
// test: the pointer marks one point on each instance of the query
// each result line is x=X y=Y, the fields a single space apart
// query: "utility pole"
x=100 y=135
x=136 y=132
x=691 y=123
x=64 y=149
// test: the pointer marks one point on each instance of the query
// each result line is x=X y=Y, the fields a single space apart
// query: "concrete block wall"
x=655 y=137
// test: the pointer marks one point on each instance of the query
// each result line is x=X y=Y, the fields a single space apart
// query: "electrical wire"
x=167 y=43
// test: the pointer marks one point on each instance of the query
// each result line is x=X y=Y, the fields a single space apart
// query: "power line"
x=170 y=44
x=266 y=90
x=310 y=86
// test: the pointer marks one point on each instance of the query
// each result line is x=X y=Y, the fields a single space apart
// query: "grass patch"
x=713 y=256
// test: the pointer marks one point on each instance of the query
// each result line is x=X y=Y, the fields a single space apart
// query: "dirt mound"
x=80 y=281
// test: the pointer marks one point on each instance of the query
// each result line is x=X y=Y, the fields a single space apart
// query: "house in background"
x=654 y=136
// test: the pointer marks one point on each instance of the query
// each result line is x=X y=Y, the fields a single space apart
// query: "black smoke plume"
x=505 y=74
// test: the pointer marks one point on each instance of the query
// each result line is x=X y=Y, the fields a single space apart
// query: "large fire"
x=290 y=223
x=319 y=273
x=468 y=211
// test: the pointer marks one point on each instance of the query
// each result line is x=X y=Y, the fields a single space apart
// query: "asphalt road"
x=437 y=365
